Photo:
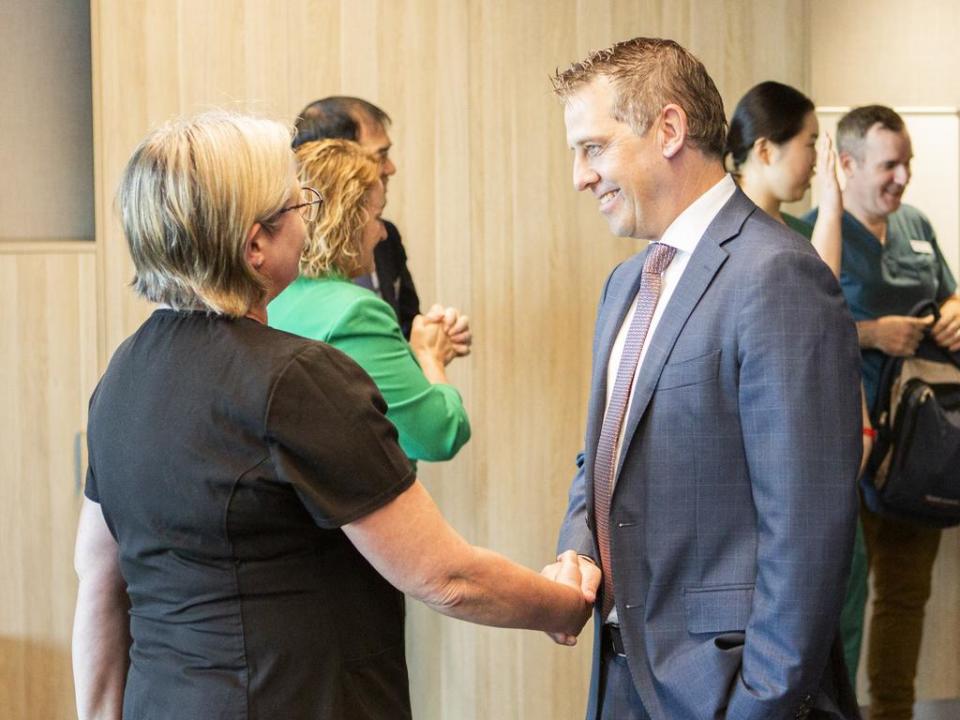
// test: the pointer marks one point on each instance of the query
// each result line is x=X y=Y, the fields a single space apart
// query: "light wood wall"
x=483 y=197
x=900 y=54
x=884 y=51
x=47 y=338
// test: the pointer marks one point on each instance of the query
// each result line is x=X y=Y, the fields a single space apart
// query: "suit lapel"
x=706 y=261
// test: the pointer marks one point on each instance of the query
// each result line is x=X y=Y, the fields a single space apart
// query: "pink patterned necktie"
x=658 y=258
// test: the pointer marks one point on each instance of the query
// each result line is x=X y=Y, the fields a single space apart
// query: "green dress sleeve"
x=430 y=418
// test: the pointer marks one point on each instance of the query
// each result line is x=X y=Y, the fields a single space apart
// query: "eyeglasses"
x=309 y=209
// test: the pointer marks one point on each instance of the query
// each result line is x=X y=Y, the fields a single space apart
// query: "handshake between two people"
x=580 y=573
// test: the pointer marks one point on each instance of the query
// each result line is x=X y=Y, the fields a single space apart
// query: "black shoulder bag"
x=914 y=469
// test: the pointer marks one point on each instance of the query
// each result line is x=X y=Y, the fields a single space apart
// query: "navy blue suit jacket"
x=733 y=514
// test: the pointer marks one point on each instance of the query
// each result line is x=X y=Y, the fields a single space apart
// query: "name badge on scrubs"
x=921 y=246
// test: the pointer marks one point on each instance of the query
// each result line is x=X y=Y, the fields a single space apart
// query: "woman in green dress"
x=324 y=304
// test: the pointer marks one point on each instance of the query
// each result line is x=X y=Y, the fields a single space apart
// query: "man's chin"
x=618 y=228
x=892 y=204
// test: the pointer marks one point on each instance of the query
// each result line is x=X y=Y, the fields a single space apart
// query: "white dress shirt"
x=683 y=234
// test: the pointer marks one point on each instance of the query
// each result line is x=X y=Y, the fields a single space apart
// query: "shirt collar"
x=689 y=226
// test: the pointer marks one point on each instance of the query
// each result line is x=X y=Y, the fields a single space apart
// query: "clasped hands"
x=580 y=573
x=455 y=326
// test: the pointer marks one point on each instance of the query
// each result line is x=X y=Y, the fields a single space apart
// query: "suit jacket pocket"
x=692 y=371
x=718 y=608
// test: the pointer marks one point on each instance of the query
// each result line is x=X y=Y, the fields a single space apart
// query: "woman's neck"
x=258 y=313
x=761 y=196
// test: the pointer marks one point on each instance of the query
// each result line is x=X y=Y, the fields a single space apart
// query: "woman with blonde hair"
x=324 y=304
x=250 y=523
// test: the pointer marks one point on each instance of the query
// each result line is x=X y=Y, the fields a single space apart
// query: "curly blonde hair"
x=343 y=173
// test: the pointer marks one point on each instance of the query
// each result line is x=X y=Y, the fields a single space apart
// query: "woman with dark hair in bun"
x=772 y=146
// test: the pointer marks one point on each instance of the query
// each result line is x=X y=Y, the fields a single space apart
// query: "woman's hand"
x=455 y=325
x=829 y=198
x=432 y=347
x=827 y=238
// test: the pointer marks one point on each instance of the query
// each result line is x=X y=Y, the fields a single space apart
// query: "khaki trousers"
x=901 y=556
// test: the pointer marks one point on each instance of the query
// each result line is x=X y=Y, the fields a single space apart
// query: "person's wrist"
x=432 y=367
x=866 y=333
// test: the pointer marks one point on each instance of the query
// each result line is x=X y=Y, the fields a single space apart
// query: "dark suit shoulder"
x=393 y=243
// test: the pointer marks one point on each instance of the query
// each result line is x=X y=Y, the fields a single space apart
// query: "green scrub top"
x=891 y=278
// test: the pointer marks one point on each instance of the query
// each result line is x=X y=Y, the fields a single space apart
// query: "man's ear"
x=848 y=163
x=672 y=130
x=253 y=246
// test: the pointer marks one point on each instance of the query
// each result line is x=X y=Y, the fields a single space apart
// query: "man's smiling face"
x=611 y=161
x=877 y=179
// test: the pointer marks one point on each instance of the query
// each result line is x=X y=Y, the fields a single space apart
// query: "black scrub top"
x=226 y=455
x=890 y=278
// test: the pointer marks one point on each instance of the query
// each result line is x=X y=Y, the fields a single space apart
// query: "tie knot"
x=658 y=258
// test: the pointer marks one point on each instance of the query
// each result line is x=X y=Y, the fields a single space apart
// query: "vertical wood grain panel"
x=47 y=347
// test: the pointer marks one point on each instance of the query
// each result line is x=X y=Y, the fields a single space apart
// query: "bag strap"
x=889 y=370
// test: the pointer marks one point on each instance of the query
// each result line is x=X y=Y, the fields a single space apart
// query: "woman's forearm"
x=101 y=629
x=413 y=547
x=490 y=589
x=433 y=369
x=101 y=642
x=826 y=240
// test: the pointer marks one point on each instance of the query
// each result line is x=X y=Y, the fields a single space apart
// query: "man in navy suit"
x=717 y=485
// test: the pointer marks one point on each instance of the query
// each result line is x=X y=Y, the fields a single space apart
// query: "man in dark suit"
x=351 y=118
x=717 y=486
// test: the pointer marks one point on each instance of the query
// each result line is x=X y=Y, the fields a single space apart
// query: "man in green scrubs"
x=891 y=262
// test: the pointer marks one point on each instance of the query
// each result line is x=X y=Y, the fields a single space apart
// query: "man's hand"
x=578 y=572
x=946 y=332
x=455 y=325
x=896 y=335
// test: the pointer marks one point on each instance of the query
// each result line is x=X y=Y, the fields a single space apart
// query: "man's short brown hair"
x=648 y=74
x=854 y=126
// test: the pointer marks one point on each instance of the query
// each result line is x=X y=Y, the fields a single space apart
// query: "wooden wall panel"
x=884 y=51
x=483 y=197
x=47 y=340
